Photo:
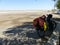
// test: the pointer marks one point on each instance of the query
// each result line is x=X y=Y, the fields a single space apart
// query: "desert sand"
x=21 y=23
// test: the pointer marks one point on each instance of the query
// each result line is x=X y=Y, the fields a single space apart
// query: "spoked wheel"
x=54 y=25
x=50 y=31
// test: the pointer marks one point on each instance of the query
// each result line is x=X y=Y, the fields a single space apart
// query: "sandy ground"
x=23 y=21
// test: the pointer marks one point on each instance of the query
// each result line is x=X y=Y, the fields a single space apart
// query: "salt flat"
x=14 y=19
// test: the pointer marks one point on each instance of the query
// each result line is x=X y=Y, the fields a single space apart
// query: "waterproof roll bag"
x=45 y=26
